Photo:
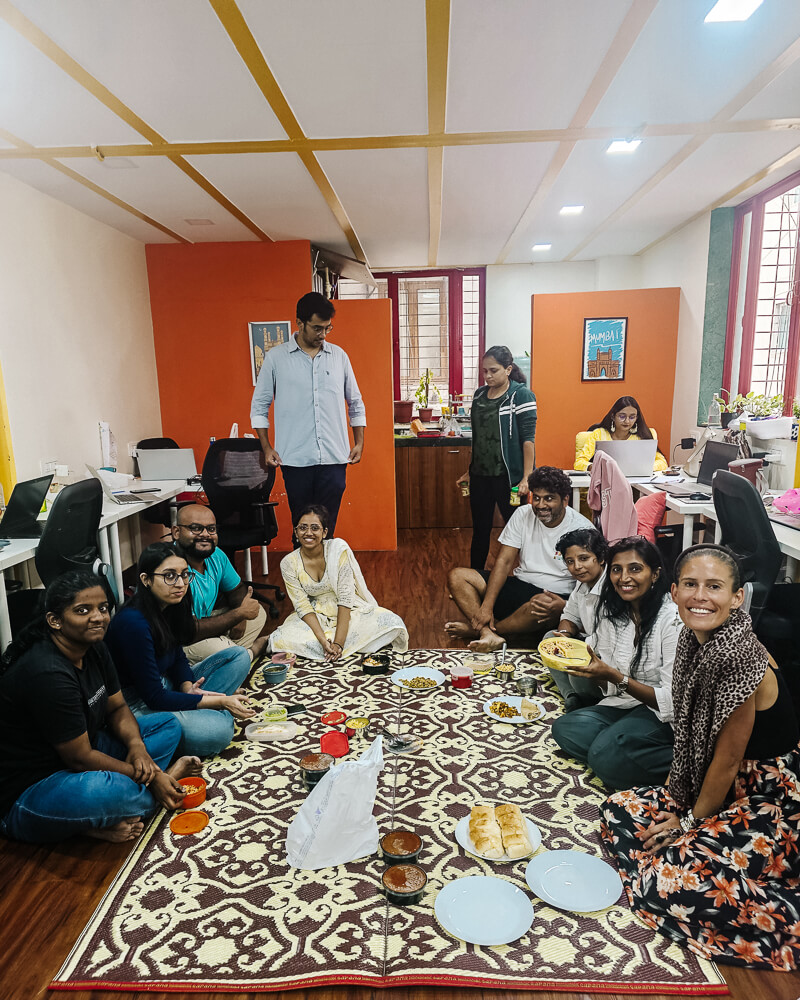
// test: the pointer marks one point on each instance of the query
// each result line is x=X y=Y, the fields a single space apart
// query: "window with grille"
x=437 y=324
x=763 y=348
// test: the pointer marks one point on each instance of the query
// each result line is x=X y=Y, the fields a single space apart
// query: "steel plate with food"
x=561 y=653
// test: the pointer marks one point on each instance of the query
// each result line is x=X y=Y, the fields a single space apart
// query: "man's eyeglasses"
x=198 y=529
x=171 y=578
x=319 y=329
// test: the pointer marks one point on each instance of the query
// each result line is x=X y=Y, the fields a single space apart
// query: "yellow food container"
x=576 y=653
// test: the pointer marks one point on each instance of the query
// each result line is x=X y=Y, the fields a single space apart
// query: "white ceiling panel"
x=781 y=99
x=159 y=189
x=39 y=175
x=525 y=64
x=277 y=193
x=790 y=167
x=600 y=182
x=43 y=106
x=486 y=190
x=176 y=53
x=627 y=240
x=385 y=195
x=353 y=68
x=682 y=70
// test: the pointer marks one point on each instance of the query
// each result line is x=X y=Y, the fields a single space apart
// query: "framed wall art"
x=263 y=337
x=604 y=341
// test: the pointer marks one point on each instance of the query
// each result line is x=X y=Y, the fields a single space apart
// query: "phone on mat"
x=295 y=709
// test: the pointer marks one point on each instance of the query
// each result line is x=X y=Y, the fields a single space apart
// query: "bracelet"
x=335 y=643
x=687 y=821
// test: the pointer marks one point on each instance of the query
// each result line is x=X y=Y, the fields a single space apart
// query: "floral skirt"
x=729 y=889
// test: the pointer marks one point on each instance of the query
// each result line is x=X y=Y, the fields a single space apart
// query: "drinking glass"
x=526 y=686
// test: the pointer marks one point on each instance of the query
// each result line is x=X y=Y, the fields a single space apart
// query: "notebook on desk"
x=166 y=463
x=635 y=458
x=24 y=504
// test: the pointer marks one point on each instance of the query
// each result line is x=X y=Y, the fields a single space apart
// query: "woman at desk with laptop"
x=623 y=422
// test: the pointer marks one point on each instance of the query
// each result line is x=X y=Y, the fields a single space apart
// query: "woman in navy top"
x=146 y=640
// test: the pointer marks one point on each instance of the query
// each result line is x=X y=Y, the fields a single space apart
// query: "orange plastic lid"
x=189 y=822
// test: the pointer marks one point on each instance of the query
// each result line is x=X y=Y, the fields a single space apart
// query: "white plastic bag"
x=335 y=823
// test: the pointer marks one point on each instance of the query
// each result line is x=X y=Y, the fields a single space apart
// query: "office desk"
x=19 y=550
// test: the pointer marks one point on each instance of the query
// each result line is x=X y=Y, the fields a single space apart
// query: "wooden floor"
x=48 y=894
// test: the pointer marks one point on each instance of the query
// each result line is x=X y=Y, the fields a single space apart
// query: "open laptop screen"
x=716 y=456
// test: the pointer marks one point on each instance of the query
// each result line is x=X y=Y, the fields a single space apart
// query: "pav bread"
x=484 y=832
x=513 y=830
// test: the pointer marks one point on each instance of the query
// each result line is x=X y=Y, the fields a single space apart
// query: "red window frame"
x=755 y=205
x=455 y=289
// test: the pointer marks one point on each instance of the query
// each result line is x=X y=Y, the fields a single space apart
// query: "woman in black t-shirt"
x=712 y=860
x=72 y=757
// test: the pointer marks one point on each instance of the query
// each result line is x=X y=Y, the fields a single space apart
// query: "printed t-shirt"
x=487 y=456
x=219 y=576
x=45 y=700
x=539 y=563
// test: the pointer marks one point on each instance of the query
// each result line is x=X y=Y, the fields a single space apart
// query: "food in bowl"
x=505 y=671
x=195 y=792
x=401 y=846
x=404 y=884
x=314 y=766
x=560 y=652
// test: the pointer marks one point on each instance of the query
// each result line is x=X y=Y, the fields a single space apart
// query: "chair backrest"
x=235 y=478
x=746 y=529
x=69 y=537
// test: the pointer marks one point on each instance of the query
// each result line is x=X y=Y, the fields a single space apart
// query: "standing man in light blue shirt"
x=310 y=380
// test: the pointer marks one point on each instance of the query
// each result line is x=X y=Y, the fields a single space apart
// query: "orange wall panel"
x=566 y=404
x=202 y=297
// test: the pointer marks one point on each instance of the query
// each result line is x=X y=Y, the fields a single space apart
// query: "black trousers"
x=322 y=484
x=484 y=493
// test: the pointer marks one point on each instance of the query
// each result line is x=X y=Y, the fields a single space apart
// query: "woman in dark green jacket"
x=503 y=454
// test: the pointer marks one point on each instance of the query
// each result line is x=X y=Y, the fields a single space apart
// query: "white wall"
x=682 y=261
x=76 y=338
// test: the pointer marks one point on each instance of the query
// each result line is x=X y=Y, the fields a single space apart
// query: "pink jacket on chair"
x=610 y=494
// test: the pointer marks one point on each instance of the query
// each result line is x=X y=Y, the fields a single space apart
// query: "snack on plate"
x=484 y=832
x=504 y=710
x=529 y=710
x=418 y=682
x=561 y=652
x=513 y=830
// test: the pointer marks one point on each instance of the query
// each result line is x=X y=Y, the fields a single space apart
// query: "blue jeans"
x=68 y=803
x=204 y=731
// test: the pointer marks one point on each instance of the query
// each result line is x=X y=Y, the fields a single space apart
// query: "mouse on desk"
x=698 y=496
x=194 y=481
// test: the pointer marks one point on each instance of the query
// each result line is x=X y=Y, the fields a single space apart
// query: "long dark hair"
x=642 y=427
x=504 y=357
x=611 y=605
x=57 y=598
x=173 y=625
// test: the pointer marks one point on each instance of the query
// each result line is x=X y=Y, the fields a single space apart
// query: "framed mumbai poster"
x=263 y=337
x=604 y=342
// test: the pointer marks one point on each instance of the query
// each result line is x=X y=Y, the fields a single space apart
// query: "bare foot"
x=459 y=630
x=126 y=829
x=185 y=767
x=258 y=647
x=487 y=643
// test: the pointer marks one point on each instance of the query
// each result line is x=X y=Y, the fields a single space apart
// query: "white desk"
x=19 y=550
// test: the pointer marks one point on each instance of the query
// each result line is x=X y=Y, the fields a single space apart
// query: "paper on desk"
x=660 y=480
x=108 y=445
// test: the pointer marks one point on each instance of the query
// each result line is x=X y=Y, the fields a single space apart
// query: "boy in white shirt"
x=497 y=606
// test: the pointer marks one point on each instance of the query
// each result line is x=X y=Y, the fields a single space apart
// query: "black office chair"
x=159 y=513
x=68 y=542
x=238 y=483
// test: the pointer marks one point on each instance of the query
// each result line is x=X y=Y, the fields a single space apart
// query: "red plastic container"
x=334 y=743
x=461 y=677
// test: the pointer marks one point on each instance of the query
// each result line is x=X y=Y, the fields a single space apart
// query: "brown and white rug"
x=222 y=910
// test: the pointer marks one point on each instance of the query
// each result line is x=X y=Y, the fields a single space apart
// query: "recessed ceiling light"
x=732 y=10
x=624 y=146
x=199 y=222
x=571 y=210
x=541 y=246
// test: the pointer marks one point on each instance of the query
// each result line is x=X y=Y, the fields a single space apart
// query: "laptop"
x=635 y=458
x=25 y=502
x=120 y=496
x=166 y=463
x=716 y=456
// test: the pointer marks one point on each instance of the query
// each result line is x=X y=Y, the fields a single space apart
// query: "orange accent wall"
x=566 y=404
x=202 y=297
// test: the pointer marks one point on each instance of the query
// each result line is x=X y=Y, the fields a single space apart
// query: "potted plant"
x=762 y=413
x=427 y=387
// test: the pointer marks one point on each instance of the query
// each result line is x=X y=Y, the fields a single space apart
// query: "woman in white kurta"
x=334 y=615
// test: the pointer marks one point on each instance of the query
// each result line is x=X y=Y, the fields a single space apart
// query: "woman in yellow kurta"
x=623 y=422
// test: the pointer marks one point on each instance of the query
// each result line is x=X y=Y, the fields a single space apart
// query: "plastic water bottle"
x=714 y=414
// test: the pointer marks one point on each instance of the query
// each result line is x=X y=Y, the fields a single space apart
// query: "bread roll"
x=484 y=832
x=513 y=831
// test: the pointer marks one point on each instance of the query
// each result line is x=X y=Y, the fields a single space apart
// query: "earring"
x=635 y=428
x=613 y=425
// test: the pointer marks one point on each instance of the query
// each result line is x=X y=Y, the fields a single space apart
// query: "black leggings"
x=484 y=493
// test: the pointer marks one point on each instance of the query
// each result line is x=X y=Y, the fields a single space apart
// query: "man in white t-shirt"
x=497 y=606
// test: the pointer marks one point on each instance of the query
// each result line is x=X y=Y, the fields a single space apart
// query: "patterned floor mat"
x=223 y=910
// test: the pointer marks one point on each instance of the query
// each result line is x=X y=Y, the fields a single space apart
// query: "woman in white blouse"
x=334 y=613
x=626 y=738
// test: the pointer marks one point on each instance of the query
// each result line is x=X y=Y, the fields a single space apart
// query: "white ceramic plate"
x=481 y=909
x=407 y=673
x=574 y=881
x=270 y=731
x=463 y=837
x=514 y=701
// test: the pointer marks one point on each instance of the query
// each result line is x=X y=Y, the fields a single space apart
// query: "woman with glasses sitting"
x=623 y=422
x=146 y=639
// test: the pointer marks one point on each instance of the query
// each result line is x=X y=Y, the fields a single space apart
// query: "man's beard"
x=192 y=550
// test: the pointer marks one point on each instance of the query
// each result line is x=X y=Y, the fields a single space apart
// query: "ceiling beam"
x=233 y=22
x=630 y=29
x=36 y=37
x=437 y=38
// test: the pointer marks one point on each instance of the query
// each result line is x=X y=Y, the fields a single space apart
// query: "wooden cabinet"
x=427 y=496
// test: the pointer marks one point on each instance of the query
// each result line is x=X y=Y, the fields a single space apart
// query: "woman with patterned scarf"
x=712 y=860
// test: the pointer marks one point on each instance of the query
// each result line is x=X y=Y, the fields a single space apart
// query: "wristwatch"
x=622 y=686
